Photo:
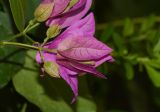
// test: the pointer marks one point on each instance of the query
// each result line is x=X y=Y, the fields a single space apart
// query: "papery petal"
x=66 y=63
x=70 y=18
x=77 y=6
x=88 y=69
x=47 y=57
x=38 y=58
x=104 y=59
x=82 y=49
x=82 y=28
x=59 y=7
x=71 y=80
x=86 y=25
x=64 y=35
x=71 y=72
x=47 y=1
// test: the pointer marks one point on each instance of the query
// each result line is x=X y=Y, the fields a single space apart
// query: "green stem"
x=29 y=38
x=16 y=36
x=29 y=46
x=19 y=44
x=40 y=50
x=45 y=41
x=32 y=27
x=41 y=55
x=32 y=24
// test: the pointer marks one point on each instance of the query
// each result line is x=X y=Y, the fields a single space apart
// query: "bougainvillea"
x=51 y=55
x=62 y=12
x=78 y=51
x=69 y=48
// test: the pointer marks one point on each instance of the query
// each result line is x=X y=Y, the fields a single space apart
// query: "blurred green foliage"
x=130 y=27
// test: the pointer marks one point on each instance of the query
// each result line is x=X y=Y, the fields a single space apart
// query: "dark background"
x=129 y=87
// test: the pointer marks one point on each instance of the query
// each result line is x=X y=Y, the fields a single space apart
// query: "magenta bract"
x=66 y=18
x=78 y=51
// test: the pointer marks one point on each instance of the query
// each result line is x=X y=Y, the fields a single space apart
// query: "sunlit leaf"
x=40 y=91
x=85 y=105
x=154 y=75
x=85 y=102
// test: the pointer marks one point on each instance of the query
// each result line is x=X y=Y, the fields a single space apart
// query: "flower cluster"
x=62 y=12
x=77 y=50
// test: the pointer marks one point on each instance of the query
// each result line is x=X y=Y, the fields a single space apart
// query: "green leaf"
x=152 y=35
x=17 y=9
x=148 y=24
x=29 y=11
x=85 y=102
x=11 y=60
x=118 y=40
x=4 y=20
x=154 y=75
x=24 y=108
x=119 y=43
x=155 y=63
x=5 y=26
x=156 y=49
x=107 y=33
x=128 y=27
x=5 y=34
x=41 y=91
x=129 y=71
x=85 y=105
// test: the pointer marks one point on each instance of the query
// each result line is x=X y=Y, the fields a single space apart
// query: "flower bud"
x=43 y=11
x=71 y=4
x=53 y=31
x=88 y=63
x=51 y=69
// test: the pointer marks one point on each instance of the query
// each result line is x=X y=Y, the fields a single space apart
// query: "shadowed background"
x=130 y=27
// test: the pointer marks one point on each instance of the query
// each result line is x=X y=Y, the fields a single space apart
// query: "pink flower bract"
x=78 y=51
x=66 y=18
